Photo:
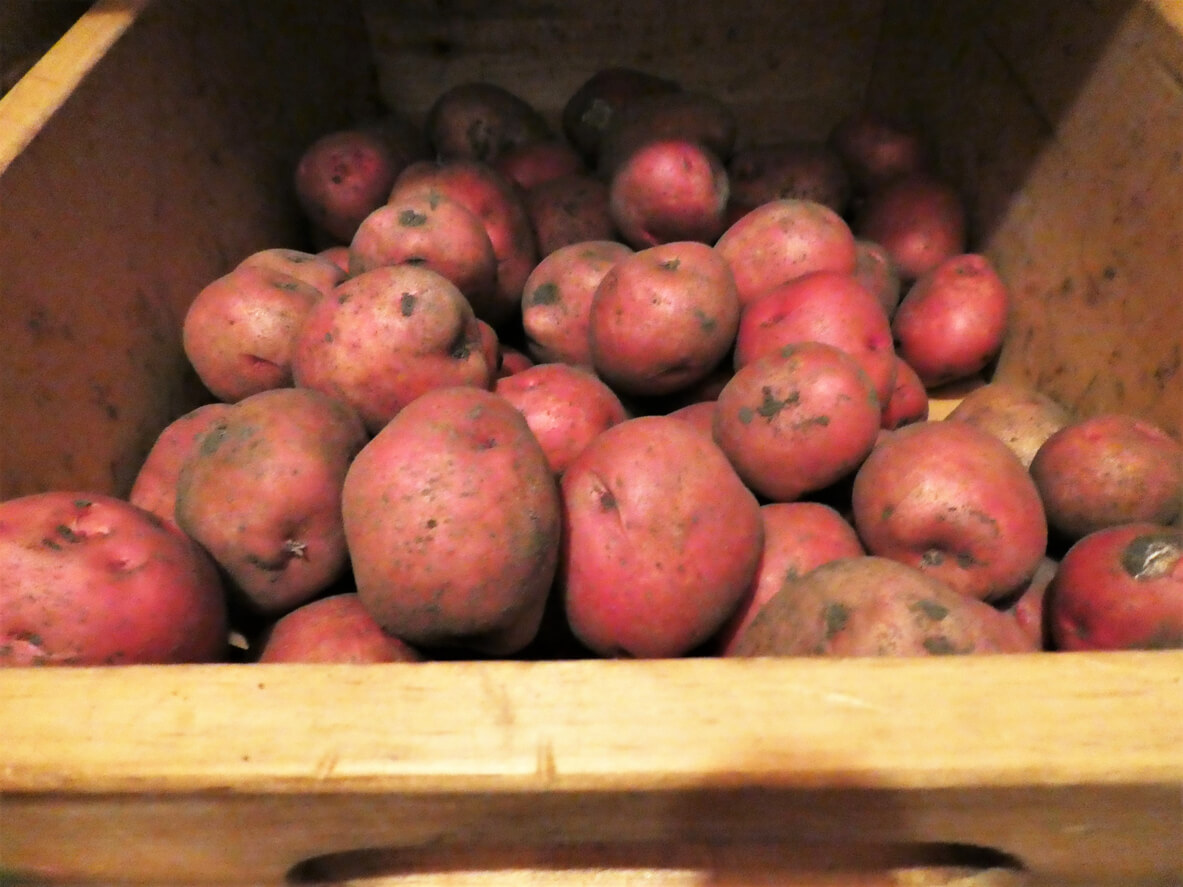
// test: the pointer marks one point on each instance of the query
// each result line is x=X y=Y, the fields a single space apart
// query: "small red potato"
x=88 y=579
x=1109 y=469
x=314 y=269
x=1027 y=607
x=797 y=420
x=663 y=318
x=385 y=337
x=535 y=163
x=679 y=116
x=452 y=516
x=955 y=502
x=556 y=303
x=512 y=361
x=338 y=255
x=822 y=306
x=660 y=539
x=1119 y=588
x=666 y=191
x=333 y=629
x=700 y=415
x=798 y=537
x=570 y=209
x=877 y=149
x=481 y=121
x=342 y=177
x=874 y=269
x=430 y=230
x=908 y=401
x=262 y=494
x=782 y=240
x=952 y=320
x=155 y=486
x=590 y=109
x=872 y=606
x=1018 y=415
x=498 y=204
x=801 y=170
x=920 y=221
x=565 y=406
x=239 y=331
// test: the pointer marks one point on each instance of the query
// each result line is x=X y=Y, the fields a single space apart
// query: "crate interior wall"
x=152 y=149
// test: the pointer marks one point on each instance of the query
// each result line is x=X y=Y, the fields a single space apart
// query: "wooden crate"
x=151 y=148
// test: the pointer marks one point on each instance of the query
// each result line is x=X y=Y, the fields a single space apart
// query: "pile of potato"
x=640 y=385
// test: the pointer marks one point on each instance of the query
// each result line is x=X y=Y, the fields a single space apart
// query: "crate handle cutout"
x=625 y=864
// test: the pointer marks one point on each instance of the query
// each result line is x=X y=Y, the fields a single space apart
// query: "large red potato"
x=239 y=331
x=589 y=110
x=669 y=190
x=873 y=606
x=955 y=502
x=566 y=407
x=660 y=539
x=262 y=494
x=342 y=177
x=1020 y=416
x=155 y=486
x=452 y=516
x=798 y=537
x=822 y=306
x=1108 y=469
x=314 y=269
x=1119 y=588
x=481 y=121
x=663 y=318
x=557 y=300
x=335 y=629
x=797 y=420
x=919 y=219
x=782 y=240
x=952 y=320
x=88 y=579
x=385 y=337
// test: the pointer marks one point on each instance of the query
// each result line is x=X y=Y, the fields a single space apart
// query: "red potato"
x=512 y=361
x=920 y=221
x=239 y=331
x=490 y=347
x=660 y=539
x=663 y=318
x=700 y=415
x=1119 y=588
x=88 y=579
x=430 y=230
x=481 y=121
x=452 y=516
x=822 y=306
x=952 y=320
x=877 y=149
x=782 y=240
x=798 y=537
x=872 y=606
x=338 y=255
x=387 y=336
x=342 y=177
x=797 y=420
x=557 y=300
x=908 y=401
x=874 y=269
x=406 y=139
x=801 y=170
x=954 y=502
x=262 y=494
x=535 y=163
x=333 y=629
x=1018 y=415
x=497 y=203
x=669 y=190
x=570 y=209
x=590 y=109
x=1027 y=608
x=155 y=486
x=1109 y=469
x=565 y=407
x=680 y=116
x=313 y=269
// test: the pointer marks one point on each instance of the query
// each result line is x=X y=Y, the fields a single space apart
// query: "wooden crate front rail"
x=1071 y=765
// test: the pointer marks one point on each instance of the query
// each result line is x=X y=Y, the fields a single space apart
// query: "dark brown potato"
x=569 y=209
x=591 y=108
x=689 y=116
x=803 y=170
x=481 y=121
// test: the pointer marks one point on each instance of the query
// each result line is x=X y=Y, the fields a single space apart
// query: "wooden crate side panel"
x=169 y=163
x=787 y=72
x=1063 y=123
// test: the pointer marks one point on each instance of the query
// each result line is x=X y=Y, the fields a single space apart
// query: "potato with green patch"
x=872 y=606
